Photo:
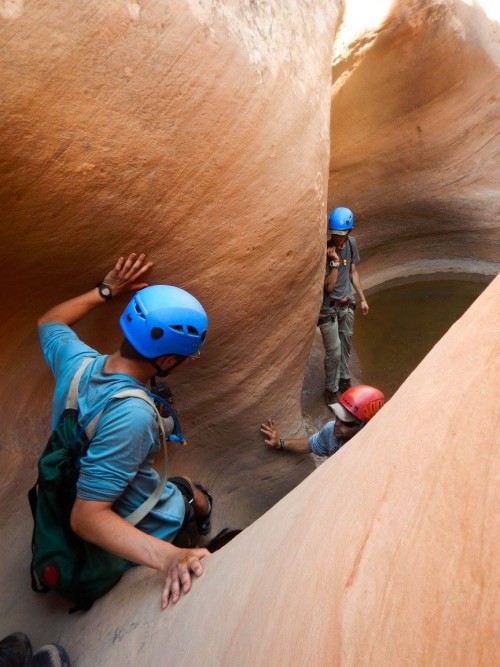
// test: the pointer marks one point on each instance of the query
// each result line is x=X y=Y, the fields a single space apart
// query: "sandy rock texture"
x=198 y=133
x=385 y=555
x=415 y=132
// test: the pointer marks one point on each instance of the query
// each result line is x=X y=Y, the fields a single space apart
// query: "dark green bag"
x=62 y=561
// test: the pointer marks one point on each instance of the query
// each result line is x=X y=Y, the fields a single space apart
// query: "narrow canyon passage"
x=215 y=137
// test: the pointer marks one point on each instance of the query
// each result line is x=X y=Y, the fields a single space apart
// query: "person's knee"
x=201 y=503
x=189 y=481
x=334 y=354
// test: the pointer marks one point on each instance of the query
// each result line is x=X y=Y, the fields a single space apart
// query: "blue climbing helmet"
x=163 y=319
x=340 y=221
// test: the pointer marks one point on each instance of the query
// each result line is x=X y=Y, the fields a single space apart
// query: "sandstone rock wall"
x=385 y=555
x=415 y=132
x=198 y=133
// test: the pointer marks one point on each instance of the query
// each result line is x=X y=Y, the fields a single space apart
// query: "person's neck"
x=139 y=370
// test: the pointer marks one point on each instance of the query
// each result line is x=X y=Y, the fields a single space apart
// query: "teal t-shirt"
x=118 y=466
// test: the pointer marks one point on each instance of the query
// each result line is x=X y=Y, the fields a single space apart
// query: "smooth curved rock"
x=415 y=132
x=385 y=555
x=197 y=132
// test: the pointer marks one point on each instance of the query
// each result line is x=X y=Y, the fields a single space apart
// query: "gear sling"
x=63 y=561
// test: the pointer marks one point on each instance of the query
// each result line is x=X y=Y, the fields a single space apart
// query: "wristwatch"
x=333 y=265
x=105 y=291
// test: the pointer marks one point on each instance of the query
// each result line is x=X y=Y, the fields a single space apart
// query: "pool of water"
x=403 y=325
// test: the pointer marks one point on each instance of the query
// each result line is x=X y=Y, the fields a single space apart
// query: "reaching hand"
x=271 y=430
x=332 y=254
x=126 y=273
x=178 y=571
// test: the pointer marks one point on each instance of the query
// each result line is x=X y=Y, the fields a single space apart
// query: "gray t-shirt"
x=343 y=287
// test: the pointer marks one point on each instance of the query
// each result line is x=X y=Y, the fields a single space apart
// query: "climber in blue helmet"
x=163 y=326
x=336 y=318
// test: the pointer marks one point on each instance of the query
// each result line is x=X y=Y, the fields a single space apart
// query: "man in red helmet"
x=355 y=408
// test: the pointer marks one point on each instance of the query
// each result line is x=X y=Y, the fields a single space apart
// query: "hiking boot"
x=50 y=655
x=330 y=396
x=15 y=650
x=344 y=384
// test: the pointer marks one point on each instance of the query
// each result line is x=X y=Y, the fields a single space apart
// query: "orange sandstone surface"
x=200 y=132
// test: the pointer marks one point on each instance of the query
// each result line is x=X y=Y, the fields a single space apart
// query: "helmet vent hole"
x=203 y=335
x=192 y=331
x=177 y=327
x=156 y=333
x=129 y=317
x=139 y=311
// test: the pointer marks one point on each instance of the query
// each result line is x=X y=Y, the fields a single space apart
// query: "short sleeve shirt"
x=118 y=466
x=325 y=442
x=343 y=287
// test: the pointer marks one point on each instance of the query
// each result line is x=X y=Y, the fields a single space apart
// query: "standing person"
x=336 y=319
x=162 y=327
x=354 y=409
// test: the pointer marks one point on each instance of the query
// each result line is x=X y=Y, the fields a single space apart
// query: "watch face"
x=105 y=291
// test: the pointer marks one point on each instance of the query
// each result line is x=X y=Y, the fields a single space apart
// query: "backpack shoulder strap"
x=72 y=399
x=140 y=512
x=90 y=428
x=349 y=241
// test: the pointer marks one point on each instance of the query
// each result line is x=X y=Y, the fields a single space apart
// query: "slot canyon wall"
x=197 y=133
x=415 y=129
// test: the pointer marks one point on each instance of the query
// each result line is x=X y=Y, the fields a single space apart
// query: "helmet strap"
x=160 y=372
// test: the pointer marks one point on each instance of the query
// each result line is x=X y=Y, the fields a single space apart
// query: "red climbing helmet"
x=362 y=401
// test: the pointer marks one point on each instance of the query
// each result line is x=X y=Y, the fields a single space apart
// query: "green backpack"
x=62 y=561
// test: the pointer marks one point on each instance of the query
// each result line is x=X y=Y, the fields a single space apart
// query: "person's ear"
x=167 y=361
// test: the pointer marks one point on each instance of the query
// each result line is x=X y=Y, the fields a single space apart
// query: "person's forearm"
x=72 y=311
x=331 y=279
x=356 y=281
x=126 y=275
x=297 y=446
x=97 y=523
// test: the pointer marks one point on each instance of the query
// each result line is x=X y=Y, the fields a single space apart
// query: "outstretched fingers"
x=132 y=264
x=271 y=431
x=178 y=577
x=119 y=264
x=165 y=595
x=127 y=273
